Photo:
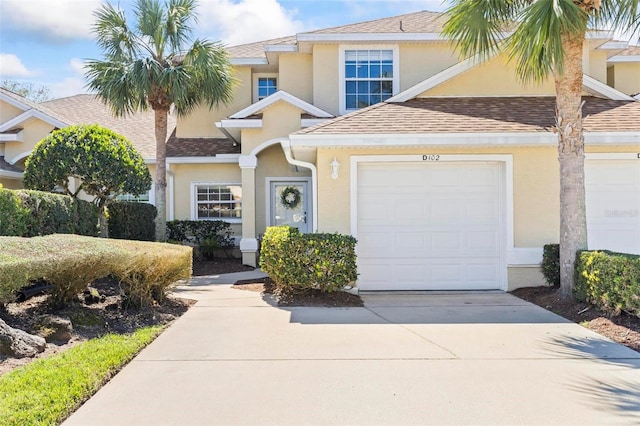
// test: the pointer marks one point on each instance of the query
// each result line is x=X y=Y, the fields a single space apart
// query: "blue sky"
x=46 y=41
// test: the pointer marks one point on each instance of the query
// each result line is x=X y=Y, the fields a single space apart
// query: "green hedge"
x=609 y=280
x=196 y=231
x=70 y=262
x=551 y=264
x=30 y=213
x=325 y=262
x=132 y=221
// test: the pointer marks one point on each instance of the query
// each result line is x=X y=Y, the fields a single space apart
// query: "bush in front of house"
x=28 y=213
x=609 y=280
x=132 y=221
x=295 y=261
x=551 y=264
x=208 y=235
x=70 y=262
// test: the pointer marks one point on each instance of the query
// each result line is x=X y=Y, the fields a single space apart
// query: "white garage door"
x=430 y=226
x=613 y=205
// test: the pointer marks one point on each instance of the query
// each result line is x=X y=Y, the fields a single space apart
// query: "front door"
x=289 y=204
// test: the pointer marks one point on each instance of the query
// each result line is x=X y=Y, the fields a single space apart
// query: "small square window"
x=267 y=86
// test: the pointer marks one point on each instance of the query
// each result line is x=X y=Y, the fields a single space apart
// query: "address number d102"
x=431 y=157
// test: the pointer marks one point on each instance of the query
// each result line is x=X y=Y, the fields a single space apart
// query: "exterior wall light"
x=335 y=167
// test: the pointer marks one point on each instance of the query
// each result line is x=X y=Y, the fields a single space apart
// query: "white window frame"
x=257 y=77
x=341 y=75
x=152 y=195
x=194 y=201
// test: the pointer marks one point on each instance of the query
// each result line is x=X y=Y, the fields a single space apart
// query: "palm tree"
x=154 y=64
x=545 y=38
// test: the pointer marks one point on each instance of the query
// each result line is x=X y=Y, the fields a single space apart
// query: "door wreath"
x=290 y=197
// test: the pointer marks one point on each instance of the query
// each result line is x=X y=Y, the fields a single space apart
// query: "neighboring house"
x=452 y=182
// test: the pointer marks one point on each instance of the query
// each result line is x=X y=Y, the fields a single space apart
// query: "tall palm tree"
x=545 y=39
x=154 y=64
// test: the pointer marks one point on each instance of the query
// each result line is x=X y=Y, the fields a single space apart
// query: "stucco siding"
x=325 y=77
x=627 y=77
x=34 y=131
x=278 y=121
x=421 y=61
x=598 y=66
x=296 y=75
x=8 y=111
x=201 y=122
x=10 y=183
x=495 y=77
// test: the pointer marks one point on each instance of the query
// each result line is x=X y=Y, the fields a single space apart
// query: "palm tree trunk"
x=160 y=116
x=573 y=222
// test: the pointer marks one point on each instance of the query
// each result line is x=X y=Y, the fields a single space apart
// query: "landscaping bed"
x=623 y=329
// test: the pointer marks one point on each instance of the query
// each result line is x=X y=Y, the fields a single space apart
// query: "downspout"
x=286 y=148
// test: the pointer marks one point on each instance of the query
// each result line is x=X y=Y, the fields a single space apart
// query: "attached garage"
x=431 y=225
x=613 y=203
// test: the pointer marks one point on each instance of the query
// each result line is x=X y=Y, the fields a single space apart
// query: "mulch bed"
x=219 y=266
x=623 y=329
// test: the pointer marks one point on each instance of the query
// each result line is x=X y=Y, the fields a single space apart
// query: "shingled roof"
x=199 y=147
x=490 y=114
x=416 y=22
x=7 y=167
x=256 y=49
x=88 y=109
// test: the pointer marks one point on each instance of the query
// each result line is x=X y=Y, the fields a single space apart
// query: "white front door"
x=290 y=204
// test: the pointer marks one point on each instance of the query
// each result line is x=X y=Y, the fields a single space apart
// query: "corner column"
x=249 y=243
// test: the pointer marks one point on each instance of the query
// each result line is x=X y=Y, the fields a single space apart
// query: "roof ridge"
x=371 y=21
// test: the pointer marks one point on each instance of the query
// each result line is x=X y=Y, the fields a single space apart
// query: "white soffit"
x=596 y=87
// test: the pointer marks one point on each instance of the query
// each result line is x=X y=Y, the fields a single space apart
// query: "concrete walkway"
x=472 y=358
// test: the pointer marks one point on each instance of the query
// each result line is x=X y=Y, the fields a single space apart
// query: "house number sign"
x=431 y=157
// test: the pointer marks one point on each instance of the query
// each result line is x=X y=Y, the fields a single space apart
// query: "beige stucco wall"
x=421 y=61
x=626 y=77
x=496 y=77
x=201 y=122
x=296 y=75
x=34 y=131
x=325 y=77
x=8 y=111
x=278 y=121
x=597 y=65
x=11 y=183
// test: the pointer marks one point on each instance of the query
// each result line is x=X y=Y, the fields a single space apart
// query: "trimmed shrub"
x=70 y=262
x=132 y=221
x=551 y=264
x=294 y=261
x=196 y=231
x=611 y=281
x=31 y=213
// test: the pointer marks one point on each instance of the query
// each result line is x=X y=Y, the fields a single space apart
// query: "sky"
x=46 y=42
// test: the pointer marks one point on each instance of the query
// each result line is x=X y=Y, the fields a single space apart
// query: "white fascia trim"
x=32 y=113
x=599 y=35
x=249 y=61
x=12 y=137
x=619 y=59
x=439 y=78
x=308 y=122
x=612 y=156
x=253 y=123
x=350 y=37
x=280 y=95
x=12 y=175
x=450 y=139
x=218 y=159
x=248 y=161
x=14 y=102
x=614 y=45
x=597 y=87
x=280 y=47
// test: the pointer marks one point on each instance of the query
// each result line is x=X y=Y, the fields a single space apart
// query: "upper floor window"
x=369 y=76
x=266 y=86
x=217 y=202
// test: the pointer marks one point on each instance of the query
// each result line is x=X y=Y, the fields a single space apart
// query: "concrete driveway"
x=470 y=358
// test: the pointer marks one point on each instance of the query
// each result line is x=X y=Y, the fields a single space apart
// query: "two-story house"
x=444 y=168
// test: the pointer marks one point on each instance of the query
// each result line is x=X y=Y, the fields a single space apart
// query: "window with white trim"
x=370 y=77
x=267 y=86
x=142 y=198
x=217 y=201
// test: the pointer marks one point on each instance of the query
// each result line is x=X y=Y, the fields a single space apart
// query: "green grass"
x=47 y=391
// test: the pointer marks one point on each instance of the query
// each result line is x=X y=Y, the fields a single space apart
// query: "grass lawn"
x=47 y=391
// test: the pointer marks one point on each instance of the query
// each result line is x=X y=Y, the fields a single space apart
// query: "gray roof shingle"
x=199 y=147
x=491 y=115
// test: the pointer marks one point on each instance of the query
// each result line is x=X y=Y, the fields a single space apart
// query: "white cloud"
x=12 y=66
x=77 y=65
x=244 y=21
x=67 y=87
x=55 y=19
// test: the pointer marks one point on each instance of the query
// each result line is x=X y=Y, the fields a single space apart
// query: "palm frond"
x=112 y=33
x=623 y=15
x=536 y=46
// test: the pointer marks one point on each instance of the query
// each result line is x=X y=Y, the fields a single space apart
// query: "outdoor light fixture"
x=335 y=167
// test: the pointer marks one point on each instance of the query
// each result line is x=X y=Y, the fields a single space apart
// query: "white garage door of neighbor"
x=430 y=226
x=613 y=205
